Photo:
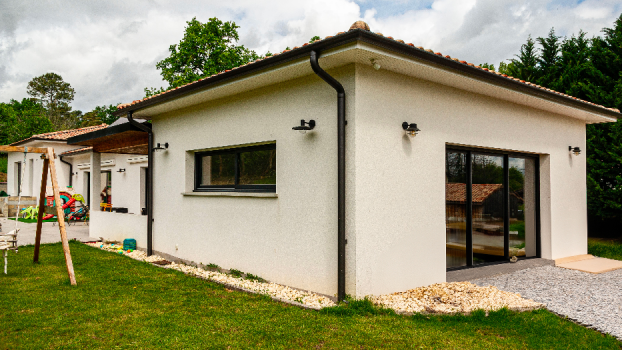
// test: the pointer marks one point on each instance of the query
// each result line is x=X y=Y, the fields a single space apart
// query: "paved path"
x=49 y=233
x=594 y=300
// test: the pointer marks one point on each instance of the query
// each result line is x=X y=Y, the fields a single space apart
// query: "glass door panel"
x=522 y=183
x=456 y=208
x=488 y=208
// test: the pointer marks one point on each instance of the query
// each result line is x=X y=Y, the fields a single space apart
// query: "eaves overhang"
x=122 y=138
x=350 y=40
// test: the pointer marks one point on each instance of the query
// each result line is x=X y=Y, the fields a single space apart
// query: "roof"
x=120 y=138
x=62 y=135
x=456 y=192
x=76 y=151
x=360 y=31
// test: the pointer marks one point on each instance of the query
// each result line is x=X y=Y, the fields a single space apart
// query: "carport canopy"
x=120 y=137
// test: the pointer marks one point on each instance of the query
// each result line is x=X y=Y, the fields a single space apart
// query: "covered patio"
x=123 y=137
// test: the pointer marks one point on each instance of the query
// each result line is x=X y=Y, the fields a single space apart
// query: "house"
x=358 y=202
x=121 y=175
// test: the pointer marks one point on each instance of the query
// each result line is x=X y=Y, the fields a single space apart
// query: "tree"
x=548 y=59
x=524 y=67
x=99 y=115
x=55 y=95
x=21 y=120
x=206 y=49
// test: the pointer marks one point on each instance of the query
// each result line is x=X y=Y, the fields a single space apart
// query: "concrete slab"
x=495 y=270
x=49 y=232
x=594 y=265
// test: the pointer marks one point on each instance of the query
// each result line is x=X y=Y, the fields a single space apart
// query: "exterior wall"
x=292 y=238
x=126 y=186
x=400 y=181
x=32 y=174
x=117 y=227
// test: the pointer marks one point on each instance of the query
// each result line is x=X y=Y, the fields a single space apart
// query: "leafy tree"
x=488 y=66
x=55 y=95
x=20 y=120
x=99 y=115
x=314 y=39
x=206 y=49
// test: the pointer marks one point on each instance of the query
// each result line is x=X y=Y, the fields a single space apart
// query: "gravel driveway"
x=592 y=300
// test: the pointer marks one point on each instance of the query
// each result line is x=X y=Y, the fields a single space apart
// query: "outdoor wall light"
x=305 y=126
x=122 y=170
x=575 y=150
x=411 y=129
x=374 y=64
x=161 y=146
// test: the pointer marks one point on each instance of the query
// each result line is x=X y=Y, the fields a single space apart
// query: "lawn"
x=605 y=248
x=124 y=303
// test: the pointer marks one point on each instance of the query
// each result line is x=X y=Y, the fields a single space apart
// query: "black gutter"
x=149 y=181
x=70 y=170
x=341 y=174
x=380 y=41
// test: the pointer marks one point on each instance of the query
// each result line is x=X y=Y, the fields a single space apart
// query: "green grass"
x=30 y=221
x=520 y=227
x=123 y=303
x=611 y=249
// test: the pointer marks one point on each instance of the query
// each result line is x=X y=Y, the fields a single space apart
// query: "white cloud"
x=107 y=50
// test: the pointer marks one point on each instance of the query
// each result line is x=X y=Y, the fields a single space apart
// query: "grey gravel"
x=593 y=300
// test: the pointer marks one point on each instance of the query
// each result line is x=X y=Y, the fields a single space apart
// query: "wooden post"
x=44 y=182
x=61 y=216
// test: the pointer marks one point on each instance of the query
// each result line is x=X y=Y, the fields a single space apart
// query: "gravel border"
x=591 y=300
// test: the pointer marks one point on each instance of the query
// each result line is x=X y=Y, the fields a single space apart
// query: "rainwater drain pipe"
x=70 y=170
x=341 y=174
x=149 y=181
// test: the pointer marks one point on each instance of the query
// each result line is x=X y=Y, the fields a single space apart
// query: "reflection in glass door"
x=491 y=207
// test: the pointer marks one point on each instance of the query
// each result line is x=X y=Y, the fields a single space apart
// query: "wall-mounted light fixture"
x=305 y=126
x=161 y=146
x=575 y=150
x=411 y=129
x=122 y=170
x=374 y=64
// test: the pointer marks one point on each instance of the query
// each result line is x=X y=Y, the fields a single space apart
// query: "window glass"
x=258 y=167
x=218 y=170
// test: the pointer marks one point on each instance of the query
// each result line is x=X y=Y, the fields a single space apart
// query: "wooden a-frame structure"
x=48 y=156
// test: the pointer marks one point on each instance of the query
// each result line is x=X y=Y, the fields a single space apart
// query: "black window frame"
x=236 y=187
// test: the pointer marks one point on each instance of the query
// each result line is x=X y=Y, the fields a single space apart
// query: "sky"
x=107 y=50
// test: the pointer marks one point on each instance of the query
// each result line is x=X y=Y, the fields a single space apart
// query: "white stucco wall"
x=126 y=186
x=32 y=178
x=400 y=181
x=117 y=227
x=291 y=239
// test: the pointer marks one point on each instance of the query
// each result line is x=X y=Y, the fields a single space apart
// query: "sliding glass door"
x=491 y=207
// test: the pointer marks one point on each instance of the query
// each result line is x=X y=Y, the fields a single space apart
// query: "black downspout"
x=149 y=182
x=341 y=174
x=70 y=170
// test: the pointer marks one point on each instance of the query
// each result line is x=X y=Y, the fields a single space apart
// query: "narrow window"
x=244 y=169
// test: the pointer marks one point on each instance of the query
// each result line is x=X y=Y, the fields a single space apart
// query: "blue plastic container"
x=129 y=243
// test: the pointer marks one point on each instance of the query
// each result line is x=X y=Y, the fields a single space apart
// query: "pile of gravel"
x=452 y=298
x=593 y=300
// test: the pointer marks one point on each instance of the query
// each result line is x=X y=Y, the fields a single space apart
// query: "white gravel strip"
x=452 y=298
x=593 y=300
x=273 y=290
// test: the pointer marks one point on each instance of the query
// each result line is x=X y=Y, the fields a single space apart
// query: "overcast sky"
x=107 y=50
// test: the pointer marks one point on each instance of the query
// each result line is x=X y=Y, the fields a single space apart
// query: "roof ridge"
x=360 y=25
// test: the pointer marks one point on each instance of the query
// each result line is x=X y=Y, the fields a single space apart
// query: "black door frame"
x=506 y=200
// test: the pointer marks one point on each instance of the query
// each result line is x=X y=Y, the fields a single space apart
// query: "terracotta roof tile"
x=76 y=151
x=456 y=192
x=63 y=135
x=360 y=25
